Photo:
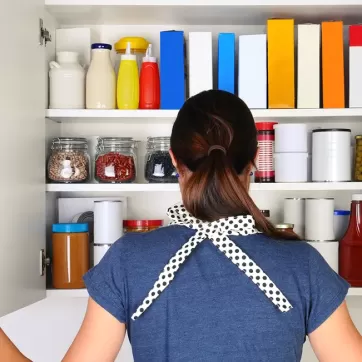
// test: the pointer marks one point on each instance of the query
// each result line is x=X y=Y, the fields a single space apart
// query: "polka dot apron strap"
x=217 y=232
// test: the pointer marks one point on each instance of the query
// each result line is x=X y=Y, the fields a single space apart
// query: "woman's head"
x=214 y=144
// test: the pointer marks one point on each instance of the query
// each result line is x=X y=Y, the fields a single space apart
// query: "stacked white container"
x=291 y=153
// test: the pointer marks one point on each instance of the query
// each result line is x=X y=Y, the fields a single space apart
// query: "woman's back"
x=212 y=311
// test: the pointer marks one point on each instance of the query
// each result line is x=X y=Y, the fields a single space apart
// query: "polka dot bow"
x=217 y=232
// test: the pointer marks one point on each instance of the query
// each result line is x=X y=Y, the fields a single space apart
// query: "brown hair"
x=214 y=188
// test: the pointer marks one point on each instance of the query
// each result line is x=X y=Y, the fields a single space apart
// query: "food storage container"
x=66 y=82
x=115 y=160
x=329 y=251
x=68 y=161
x=291 y=137
x=70 y=259
x=284 y=227
x=291 y=167
x=331 y=149
x=340 y=222
x=294 y=213
x=158 y=163
x=139 y=46
x=358 y=159
x=141 y=226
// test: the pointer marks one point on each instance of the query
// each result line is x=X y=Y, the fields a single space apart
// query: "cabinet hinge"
x=44 y=35
x=43 y=262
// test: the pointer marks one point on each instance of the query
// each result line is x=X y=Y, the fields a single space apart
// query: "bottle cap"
x=149 y=58
x=342 y=212
x=265 y=126
x=101 y=46
x=128 y=55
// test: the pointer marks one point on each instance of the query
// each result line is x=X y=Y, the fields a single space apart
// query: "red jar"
x=265 y=161
x=350 y=247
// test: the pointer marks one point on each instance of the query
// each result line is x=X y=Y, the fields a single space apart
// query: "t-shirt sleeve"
x=327 y=291
x=106 y=282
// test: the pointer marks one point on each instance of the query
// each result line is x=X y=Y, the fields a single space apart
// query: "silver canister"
x=294 y=213
x=319 y=219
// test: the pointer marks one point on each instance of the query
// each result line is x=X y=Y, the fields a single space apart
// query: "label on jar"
x=265 y=159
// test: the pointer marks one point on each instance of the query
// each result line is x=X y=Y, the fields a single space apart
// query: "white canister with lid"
x=332 y=157
x=329 y=251
x=319 y=219
x=101 y=79
x=291 y=137
x=66 y=82
x=108 y=221
x=291 y=167
x=294 y=213
x=99 y=250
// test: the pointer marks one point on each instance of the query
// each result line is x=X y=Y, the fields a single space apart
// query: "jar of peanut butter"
x=70 y=255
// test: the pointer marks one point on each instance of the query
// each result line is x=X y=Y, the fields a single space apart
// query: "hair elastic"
x=216 y=147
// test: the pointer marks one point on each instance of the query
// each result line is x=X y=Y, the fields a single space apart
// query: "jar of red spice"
x=141 y=226
x=115 y=160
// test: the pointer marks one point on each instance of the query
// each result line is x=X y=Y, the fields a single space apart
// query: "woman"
x=220 y=283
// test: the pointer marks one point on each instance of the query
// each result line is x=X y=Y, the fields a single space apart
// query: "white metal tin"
x=332 y=158
x=291 y=167
x=294 y=213
x=329 y=251
x=291 y=137
x=99 y=251
x=108 y=221
x=319 y=214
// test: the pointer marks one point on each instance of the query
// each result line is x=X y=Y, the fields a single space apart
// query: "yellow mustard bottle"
x=128 y=92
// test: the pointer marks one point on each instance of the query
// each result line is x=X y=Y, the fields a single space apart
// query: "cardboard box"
x=355 y=63
x=226 y=62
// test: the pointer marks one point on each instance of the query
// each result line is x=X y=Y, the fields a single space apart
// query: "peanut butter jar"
x=70 y=255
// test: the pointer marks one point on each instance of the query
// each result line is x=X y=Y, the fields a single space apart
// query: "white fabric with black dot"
x=217 y=232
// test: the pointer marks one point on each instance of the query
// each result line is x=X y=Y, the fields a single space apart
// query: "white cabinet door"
x=22 y=149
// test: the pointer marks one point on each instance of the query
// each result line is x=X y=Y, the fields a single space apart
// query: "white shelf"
x=309 y=186
x=157 y=115
x=83 y=293
x=200 y=12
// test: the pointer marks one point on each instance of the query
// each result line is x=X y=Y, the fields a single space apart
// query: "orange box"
x=281 y=83
x=332 y=64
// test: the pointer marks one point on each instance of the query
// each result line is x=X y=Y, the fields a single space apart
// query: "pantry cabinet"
x=29 y=205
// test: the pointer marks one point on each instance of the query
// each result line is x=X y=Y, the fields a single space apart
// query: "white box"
x=75 y=40
x=308 y=92
x=253 y=70
x=355 y=76
x=200 y=62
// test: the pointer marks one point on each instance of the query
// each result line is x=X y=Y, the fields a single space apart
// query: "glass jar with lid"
x=68 y=161
x=115 y=160
x=358 y=159
x=158 y=163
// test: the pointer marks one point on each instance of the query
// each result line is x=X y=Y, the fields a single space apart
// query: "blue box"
x=226 y=62
x=172 y=69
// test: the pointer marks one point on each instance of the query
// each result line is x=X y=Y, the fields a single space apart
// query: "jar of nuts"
x=68 y=161
x=115 y=160
x=358 y=159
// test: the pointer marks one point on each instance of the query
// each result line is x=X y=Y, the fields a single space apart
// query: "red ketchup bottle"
x=149 y=82
x=350 y=247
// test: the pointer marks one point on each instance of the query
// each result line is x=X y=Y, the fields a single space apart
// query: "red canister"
x=265 y=161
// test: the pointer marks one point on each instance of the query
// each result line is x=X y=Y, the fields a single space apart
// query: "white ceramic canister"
x=319 y=219
x=66 y=82
x=99 y=250
x=101 y=79
x=291 y=137
x=108 y=221
x=341 y=221
x=291 y=167
x=294 y=213
x=332 y=157
x=329 y=251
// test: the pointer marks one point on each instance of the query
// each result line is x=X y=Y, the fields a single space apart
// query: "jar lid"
x=265 y=126
x=358 y=137
x=342 y=212
x=331 y=130
x=70 y=228
x=126 y=142
x=101 y=46
x=284 y=226
x=66 y=142
x=142 y=223
x=357 y=197
x=138 y=44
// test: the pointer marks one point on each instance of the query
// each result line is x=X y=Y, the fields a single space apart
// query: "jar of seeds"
x=159 y=167
x=358 y=159
x=68 y=160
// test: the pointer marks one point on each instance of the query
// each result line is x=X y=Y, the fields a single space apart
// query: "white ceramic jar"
x=291 y=167
x=66 y=82
x=291 y=137
x=332 y=157
x=294 y=213
x=329 y=251
x=101 y=79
